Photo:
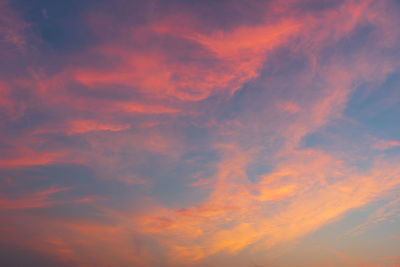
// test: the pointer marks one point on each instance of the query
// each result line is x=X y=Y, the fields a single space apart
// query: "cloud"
x=12 y=27
x=196 y=130
x=236 y=216
x=385 y=144
x=386 y=212
x=36 y=200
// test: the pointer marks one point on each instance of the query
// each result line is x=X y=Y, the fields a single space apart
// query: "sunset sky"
x=200 y=133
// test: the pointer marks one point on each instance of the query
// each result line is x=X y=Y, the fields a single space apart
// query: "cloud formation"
x=197 y=133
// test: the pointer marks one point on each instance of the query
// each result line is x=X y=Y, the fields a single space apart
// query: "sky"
x=200 y=133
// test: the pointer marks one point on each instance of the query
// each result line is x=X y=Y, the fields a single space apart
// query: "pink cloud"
x=36 y=200
x=385 y=144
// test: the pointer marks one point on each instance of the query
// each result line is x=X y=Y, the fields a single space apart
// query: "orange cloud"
x=84 y=126
x=234 y=216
